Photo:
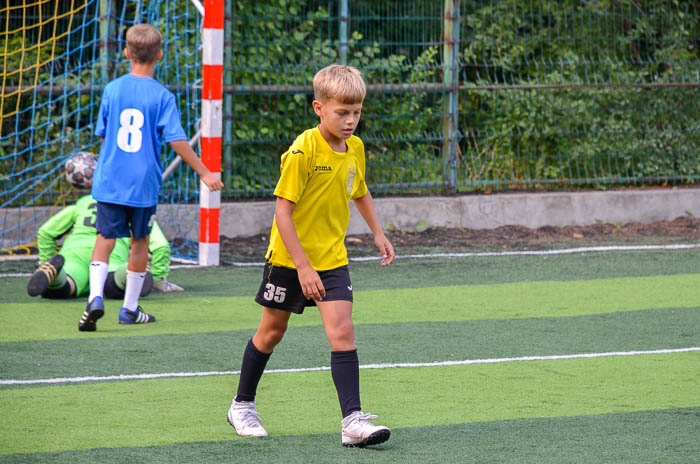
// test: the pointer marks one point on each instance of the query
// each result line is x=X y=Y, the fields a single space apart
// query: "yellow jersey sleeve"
x=296 y=167
x=360 y=190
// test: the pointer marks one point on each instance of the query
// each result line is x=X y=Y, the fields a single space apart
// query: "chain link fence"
x=468 y=95
x=462 y=95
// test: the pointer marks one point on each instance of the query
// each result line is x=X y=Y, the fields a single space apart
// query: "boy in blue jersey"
x=136 y=114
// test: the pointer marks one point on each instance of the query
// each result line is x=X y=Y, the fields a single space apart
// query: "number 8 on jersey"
x=129 y=136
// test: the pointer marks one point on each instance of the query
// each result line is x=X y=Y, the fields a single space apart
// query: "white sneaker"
x=358 y=432
x=166 y=286
x=245 y=419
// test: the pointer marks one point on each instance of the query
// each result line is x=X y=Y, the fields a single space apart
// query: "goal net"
x=55 y=58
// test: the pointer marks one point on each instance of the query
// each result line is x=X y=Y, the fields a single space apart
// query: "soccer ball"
x=79 y=170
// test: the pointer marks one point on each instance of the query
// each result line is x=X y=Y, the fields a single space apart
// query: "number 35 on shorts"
x=274 y=293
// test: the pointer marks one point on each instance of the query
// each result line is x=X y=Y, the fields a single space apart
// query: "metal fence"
x=467 y=95
x=463 y=95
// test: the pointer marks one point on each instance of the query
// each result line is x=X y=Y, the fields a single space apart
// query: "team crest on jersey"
x=351 y=177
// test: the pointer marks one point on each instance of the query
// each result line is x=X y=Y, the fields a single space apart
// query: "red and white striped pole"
x=212 y=94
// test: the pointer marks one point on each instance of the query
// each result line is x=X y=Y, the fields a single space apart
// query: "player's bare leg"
x=337 y=320
x=271 y=330
x=103 y=248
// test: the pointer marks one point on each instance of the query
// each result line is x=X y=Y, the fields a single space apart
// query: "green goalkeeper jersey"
x=80 y=220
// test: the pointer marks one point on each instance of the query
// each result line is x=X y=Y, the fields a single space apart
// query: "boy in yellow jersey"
x=307 y=261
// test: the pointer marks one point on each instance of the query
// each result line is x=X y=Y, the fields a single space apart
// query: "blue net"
x=56 y=57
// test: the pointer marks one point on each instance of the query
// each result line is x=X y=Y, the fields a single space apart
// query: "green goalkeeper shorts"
x=77 y=267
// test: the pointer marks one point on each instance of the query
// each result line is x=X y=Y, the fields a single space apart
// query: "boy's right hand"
x=311 y=283
x=212 y=181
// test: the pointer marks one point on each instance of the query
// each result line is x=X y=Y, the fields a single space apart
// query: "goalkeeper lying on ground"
x=66 y=274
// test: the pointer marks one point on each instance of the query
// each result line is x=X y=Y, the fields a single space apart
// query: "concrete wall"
x=535 y=209
x=19 y=225
x=490 y=211
x=416 y=213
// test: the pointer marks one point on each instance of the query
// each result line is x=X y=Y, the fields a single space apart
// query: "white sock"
x=134 y=284
x=98 y=276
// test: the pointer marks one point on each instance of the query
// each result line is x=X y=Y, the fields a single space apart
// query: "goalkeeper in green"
x=66 y=274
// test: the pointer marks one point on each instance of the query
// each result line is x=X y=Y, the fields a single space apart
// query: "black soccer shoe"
x=93 y=311
x=45 y=275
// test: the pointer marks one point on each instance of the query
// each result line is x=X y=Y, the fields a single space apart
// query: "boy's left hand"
x=212 y=182
x=385 y=248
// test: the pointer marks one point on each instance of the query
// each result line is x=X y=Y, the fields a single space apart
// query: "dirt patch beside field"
x=682 y=229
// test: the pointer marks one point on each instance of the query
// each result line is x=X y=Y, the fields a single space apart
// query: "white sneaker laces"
x=366 y=416
x=250 y=418
x=362 y=417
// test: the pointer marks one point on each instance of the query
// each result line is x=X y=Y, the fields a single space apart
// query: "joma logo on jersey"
x=322 y=168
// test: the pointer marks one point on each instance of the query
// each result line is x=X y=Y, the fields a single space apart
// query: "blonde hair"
x=143 y=42
x=341 y=83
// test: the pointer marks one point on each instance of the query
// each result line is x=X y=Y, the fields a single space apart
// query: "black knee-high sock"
x=345 y=370
x=252 y=368
x=58 y=293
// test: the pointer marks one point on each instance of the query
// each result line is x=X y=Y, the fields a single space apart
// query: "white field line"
x=563 y=251
x=20 y=258
x=184 y=264
x=325 y=368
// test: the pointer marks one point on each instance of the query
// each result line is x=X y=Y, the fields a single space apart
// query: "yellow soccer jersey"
x=321 y=183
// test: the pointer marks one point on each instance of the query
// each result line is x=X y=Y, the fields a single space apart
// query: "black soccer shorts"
x=280 y=288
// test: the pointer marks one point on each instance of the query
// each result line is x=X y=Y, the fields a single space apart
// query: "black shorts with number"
x=280 y=288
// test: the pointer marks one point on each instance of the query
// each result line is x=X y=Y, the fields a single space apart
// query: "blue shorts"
x=116 y=221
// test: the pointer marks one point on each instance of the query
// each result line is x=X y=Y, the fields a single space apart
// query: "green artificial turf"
x=418 y=273
x=625 y=438
x=192 y=314
x=305 y=347
x=159 y=412
x=642 y=408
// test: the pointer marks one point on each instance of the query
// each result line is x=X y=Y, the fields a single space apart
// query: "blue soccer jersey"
x=136 y=115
